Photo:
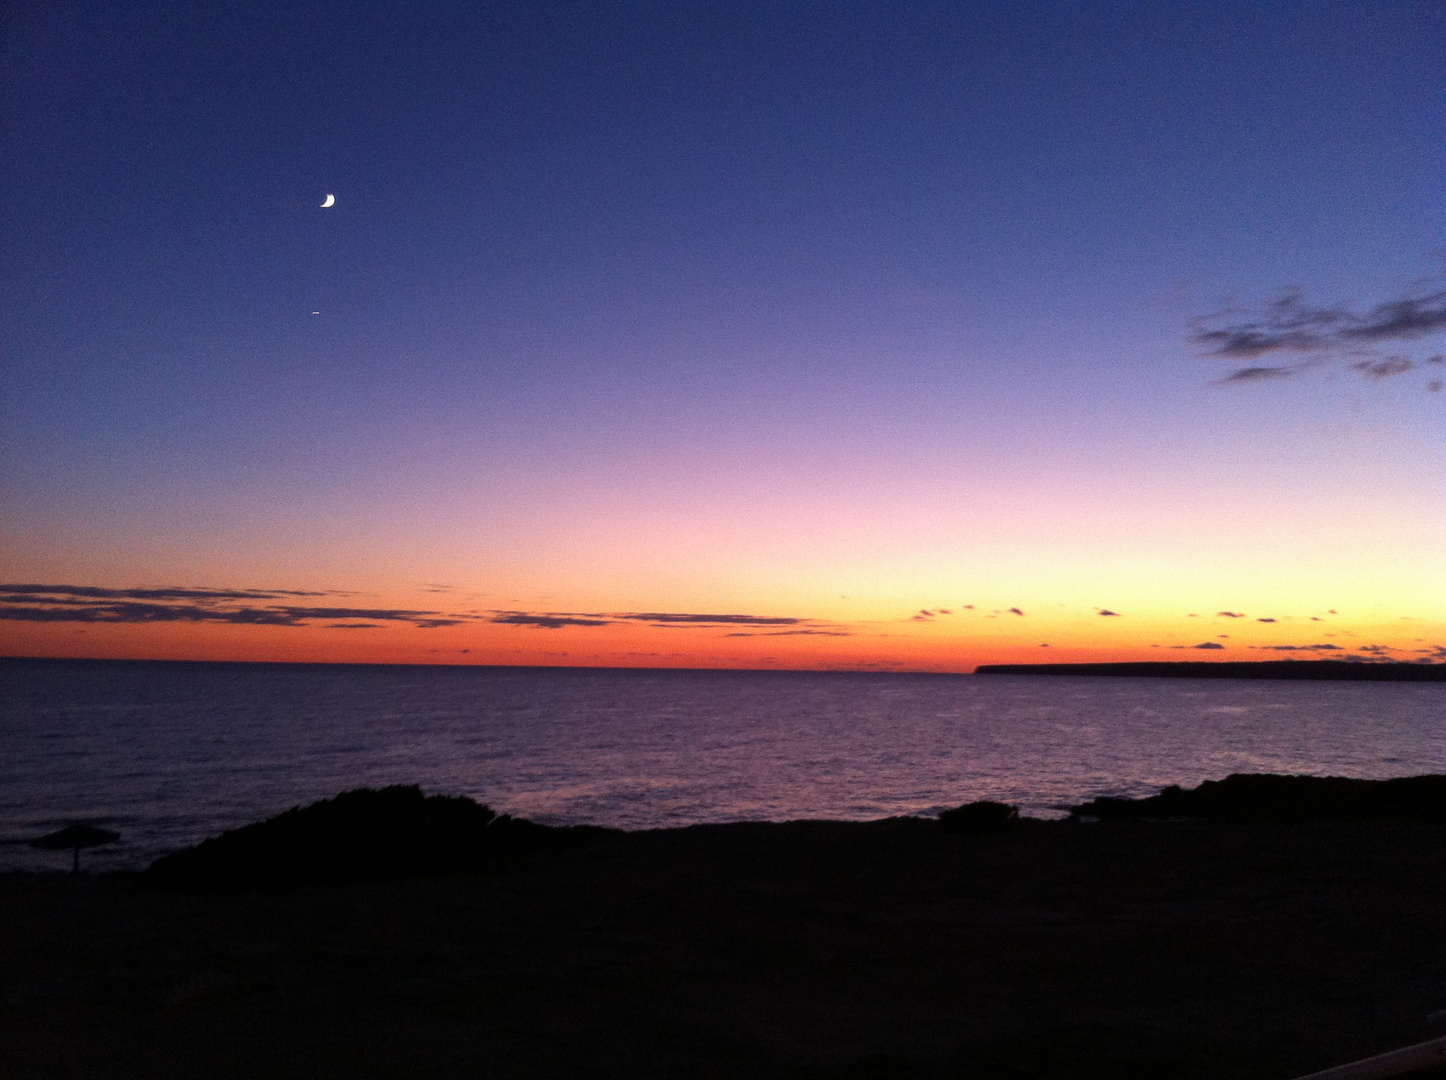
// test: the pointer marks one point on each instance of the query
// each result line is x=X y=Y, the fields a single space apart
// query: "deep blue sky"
x=656 y=261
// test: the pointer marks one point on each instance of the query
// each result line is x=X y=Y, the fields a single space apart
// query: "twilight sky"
x=885 y=335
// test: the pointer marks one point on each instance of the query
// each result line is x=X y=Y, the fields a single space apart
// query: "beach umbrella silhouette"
x=74 y=837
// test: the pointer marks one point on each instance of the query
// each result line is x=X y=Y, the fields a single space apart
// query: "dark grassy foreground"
x=809 y=950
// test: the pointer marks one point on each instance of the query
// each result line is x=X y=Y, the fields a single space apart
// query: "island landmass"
x=1348 y=670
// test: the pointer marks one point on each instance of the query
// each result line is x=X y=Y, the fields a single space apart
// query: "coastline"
x=835 y=950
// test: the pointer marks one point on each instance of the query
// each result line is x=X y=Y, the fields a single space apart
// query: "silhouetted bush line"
x=1265 y=797
x=362 y=835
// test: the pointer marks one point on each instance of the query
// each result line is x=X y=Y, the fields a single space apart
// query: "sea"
x=168 y=753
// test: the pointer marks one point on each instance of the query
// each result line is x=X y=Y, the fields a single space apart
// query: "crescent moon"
x=330 y=201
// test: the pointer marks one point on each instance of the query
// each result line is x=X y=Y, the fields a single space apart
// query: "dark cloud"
x=92 y=604
x=545 y=622
x=554 y=620
x=95 y=592
x=1015 y=611
x=1231 y=614
x=1107 y=611
x=712 y=620
x=1286 y=324
x=790 y=633
x=1203 y=645
x=1402 y=320
x=1296 y=648
x=1290 y=326
x=1257 y=374
x=135 y=612
x=49 y=601
x=1265 y=620
x=353 y=626
x=393 y=614
x=1376 y=370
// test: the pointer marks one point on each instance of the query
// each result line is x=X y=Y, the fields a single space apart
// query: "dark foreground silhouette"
x=1345 y=670
x=887 y=950
x=362 y=835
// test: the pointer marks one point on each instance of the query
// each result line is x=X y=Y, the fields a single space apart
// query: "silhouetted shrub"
x=1251 y=797
x=361 y=835
x=979 y=817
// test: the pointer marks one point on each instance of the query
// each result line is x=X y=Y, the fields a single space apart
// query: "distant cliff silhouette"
x=1235 y=669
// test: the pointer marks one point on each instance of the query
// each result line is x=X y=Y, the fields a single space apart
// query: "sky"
x=874 y=336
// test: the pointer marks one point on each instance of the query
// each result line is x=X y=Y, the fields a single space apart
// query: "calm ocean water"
x=167 y=754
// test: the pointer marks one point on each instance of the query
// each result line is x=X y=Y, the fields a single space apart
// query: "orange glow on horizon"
x=949 y=641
